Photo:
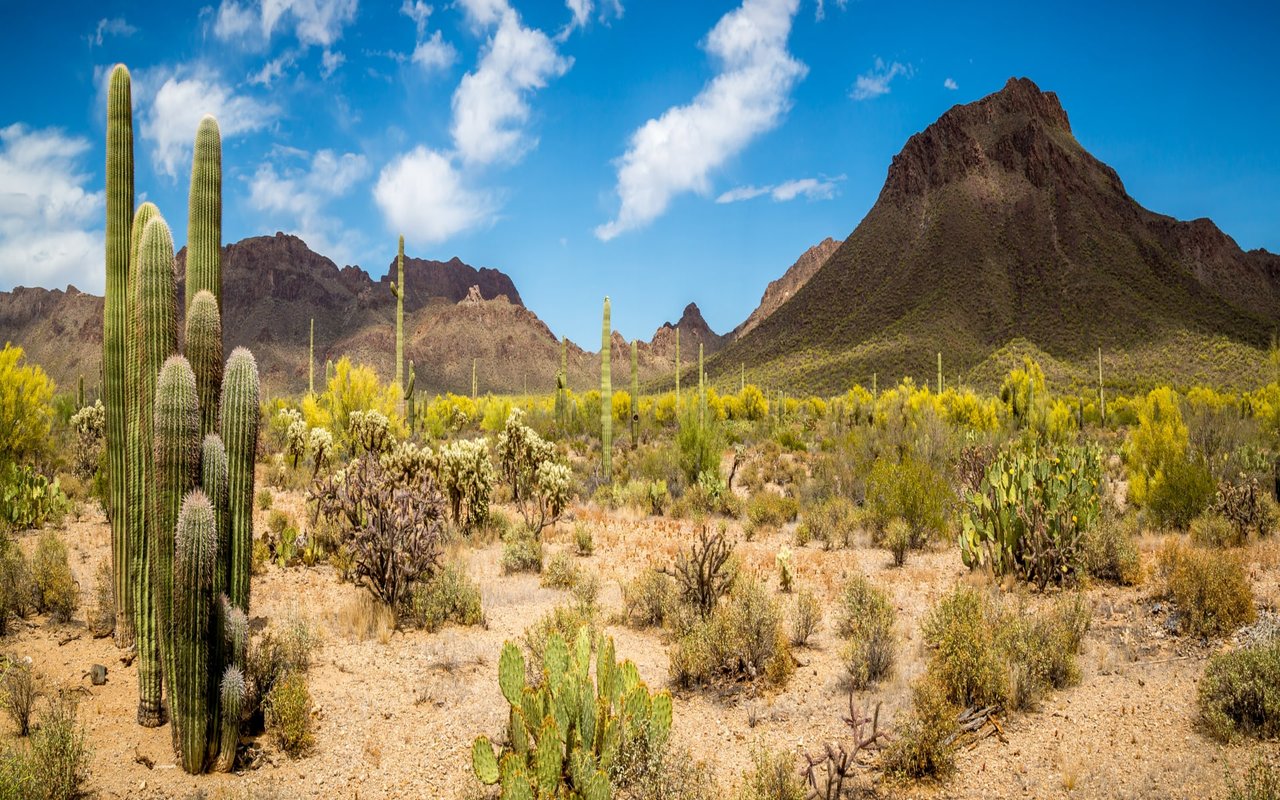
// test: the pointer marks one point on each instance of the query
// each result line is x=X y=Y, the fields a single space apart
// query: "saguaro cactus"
x=154 y=303
x=702 y=390
x=635 y=396
x=204 y=209
x=115 y=331
x=606 y=398
x=194 y=564
x=408 y=397
x=240 y=437
x=397 y=289
x=204 y=351
x=213 y=481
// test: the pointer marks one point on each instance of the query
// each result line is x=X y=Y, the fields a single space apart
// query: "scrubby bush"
x=910 y=490
x=19 y=687
x=57 y=593
x=1209 y=587
x=742 y=640
x=59 y=752
x=960 y=632
x=1261 y=782
x=865 y=618
x=832 y=521
x=773 y=776
x=770 y=510
x=1108 y=552
x=898 y=538
x=806 y=616
x=521 y=551
x=1180 y=492
x=1211 y=529
x=264 y=499
x=562 y=621
x=17 y=588
x=923 y=747
x=1238 y=695
x=287 y=711
x=699 y=447
x=447 y=596
x=648 y=600
x=583 y=541
x=1040 y=650
x=561 y=572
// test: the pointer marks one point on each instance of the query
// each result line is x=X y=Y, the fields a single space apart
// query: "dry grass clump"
x=449 y=595
x=363 y=618
x=649 y=599
x=56 y=591
x=521 y=551
x=19 y=687
x=865 y=618
x=833 y=522
x=773 y=776
x=806 y=617
x=741 y=640
x=1109 y=551
x=1208 y=586
x=287 y=710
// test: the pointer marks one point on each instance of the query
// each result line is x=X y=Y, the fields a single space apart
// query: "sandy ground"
x=395 y=714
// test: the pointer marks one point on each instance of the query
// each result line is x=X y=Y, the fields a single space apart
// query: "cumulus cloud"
x=271 y=71
x=809 y=188
x=434 y=53
x=951 y=84
x=876 y=81
x=313 y=22
x=170 y=122
x=116 y=26
x=676 y=152
x=295 y=198
x=419 y=12
x=423 y=195
x=329 y=63
x=491 y=104
x=50 y=232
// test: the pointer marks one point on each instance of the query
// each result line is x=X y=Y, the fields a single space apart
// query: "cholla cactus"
x=539 y=485
x=786 y=576
x=89 y=423
x=295 y=440
x=321 y=446
x=370 y=431
x=466 y=478
x=568 y=733
x=407 y=462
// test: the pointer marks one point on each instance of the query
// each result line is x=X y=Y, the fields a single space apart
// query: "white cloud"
x=271 y=71
x=810 y=188
x=951 y=84
x=313 y=22
x=434 y=53
x=491 y=104
x=820 y=12
x=876 y=81
x=419 y=12
x=298 y=197
x=49 y=234
x=171 y=120
x=676 y=152
x=423 y=196
x=116 y=26
x=330 y=62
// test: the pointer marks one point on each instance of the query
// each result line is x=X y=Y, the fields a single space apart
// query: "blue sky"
x=659 y=152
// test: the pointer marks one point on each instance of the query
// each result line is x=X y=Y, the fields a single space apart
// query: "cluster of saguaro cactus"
x=606 y=400
x=185 y=476
x=397 y=289
x=568 y=732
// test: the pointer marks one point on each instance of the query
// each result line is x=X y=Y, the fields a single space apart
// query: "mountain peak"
x=692 y=318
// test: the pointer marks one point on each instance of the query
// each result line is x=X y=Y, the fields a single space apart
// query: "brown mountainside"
x=779 y=291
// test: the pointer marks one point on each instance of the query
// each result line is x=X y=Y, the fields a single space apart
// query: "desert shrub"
x=19 y=687
x=1209 y=588
x=649 y=598
x=1040 y=650
x=102 y=619
x=1183 y=490
x=57 y=593
x=699 y=447
x=583 y=541
x=898 y=538
x=1211 y=529
x=466 y=478
x=865 y=618
x=910 y=490
x=28 y=499
x=521 y=551
x=264 y=499
x=960 y=632
x=742 y=640
x=1158 y=440
x=278 y=652
x=806 y=616
x=1237 y=695
x=662 y=773
x=1246 y=507
x=59 y=752
x=561 y=572
x=449 y=595
x=26 y=414
x=773 y=776
x=1261 y=782
x=922 y=747
x=17 y=775
x=771 y=510
x=705 y=572
x=1031 y=512
x=393 y=531
x=831 y=521
x=287 y=710
x=17 y=588
x=1108 y=552
x=277 y=521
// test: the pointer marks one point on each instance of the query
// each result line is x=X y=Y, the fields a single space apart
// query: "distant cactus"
x=240 y=436
x=702 y=390
x=474 y=386
x=677 y=370
x=195 y=561
x=939 y=373
x=204 y=210
x=115 y=332
x=606 y=400
x=397 y=290
x=311 y=359
x=635 y=396
x=204 y=351
x=408 y=398
x=562 y=383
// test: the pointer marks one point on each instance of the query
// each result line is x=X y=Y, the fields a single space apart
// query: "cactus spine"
x=115 y=331
x=606 y=399
x=204 y=215
x=204 y=351
x=397 y=289
x=311 y=359
x=194 y=563
x=240 y=437
x=635 y=396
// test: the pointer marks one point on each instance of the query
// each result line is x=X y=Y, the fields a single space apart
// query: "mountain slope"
x=781 y=290
x=995 y=224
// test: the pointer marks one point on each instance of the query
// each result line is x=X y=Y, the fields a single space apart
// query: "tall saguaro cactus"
x=194 y=630
x=204 y=209
x=204 y=351
x=115 y=331
x=240 y=437
x=606 y=399
x=397 y=289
